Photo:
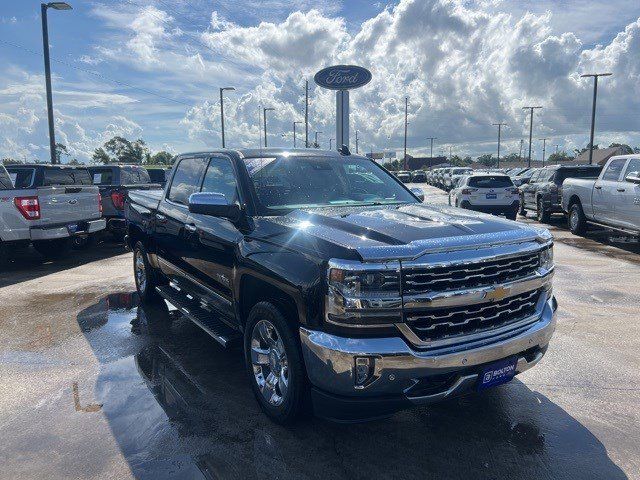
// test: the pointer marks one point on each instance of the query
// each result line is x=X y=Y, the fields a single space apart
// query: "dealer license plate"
x=497 y=373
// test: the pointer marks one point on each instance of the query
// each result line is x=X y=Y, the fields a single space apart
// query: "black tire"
x=52 y=249
x=522 y=211
x=511 y=215
x=118 y=236
x=577 y=221
x=542 y=214
x=145 y=276
x=294 y=401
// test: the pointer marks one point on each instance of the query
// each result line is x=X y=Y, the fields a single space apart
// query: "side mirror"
x=633 y=177
x=418 y=193
x=213 y=204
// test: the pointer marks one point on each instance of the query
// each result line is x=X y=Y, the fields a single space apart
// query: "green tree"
x=10 y=161
x=512 y=157
x=559 y=157
x=488 y=160
x=459 y=161
x=161 y=158
x=626 y=149
x=120 y=150
x=61 y=149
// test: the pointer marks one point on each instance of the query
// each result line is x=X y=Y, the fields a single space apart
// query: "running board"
x=194 y=310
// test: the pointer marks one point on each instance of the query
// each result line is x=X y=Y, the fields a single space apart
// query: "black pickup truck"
x=346 y=293
x=114 y=181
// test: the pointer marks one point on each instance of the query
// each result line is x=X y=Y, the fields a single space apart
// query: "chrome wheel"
x=574 y=219
x=270 y=363
x=140 y=271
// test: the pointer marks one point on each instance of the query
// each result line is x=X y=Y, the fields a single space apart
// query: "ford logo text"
x=342 y=77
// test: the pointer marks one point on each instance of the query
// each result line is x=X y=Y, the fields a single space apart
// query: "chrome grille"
x=441 y=323
x=441 y=278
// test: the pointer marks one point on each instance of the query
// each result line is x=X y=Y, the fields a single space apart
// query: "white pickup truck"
x=611 y=201
x=49 y=206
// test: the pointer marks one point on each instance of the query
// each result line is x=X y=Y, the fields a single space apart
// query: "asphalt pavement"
x=94 y=385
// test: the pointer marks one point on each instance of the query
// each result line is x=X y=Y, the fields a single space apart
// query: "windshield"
x=492 y=181
x=304 y=182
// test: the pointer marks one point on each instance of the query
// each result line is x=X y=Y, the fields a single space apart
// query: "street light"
x=593 y=109
x=317 y=145
x=222 y=89
x=530 y=130
x=264 y=117
x=499 y=125
x=294 y=133
x=47 y=70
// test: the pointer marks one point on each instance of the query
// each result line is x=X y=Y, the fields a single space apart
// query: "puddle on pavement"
x=178 y=405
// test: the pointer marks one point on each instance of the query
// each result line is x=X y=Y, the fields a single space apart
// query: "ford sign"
x=342 y=77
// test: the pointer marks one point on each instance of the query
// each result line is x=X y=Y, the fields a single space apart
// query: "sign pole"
x=342 y=118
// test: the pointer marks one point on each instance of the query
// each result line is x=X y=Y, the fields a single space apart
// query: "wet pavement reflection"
x=179 y=406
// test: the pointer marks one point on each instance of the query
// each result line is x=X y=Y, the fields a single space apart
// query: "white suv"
x=487 y=192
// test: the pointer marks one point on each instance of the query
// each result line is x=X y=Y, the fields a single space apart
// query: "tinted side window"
x=545 y=176
x=186 y=179
x=220 y=178
x=22 y=177
x=614 y=169
x=5 y=180
x=102 y=176
x=633 y=167
x=134 y=176
x=535 y=177
x=66 y=176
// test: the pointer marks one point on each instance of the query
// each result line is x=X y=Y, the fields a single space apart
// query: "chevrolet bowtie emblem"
x=497 y=294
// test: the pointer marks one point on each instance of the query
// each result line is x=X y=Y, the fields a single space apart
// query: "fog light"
x=364 y=368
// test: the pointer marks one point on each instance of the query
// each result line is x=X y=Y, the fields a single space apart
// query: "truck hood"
x=406 y=231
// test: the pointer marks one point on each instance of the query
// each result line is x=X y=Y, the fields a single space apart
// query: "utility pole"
x=544 y=149
x=406 y=107
x=450 y=152
x=432 y=139
x=356 y=142
x=306 y=114
x=47 y=71
x=264 y=117
x=222 y=89
x=499 y=125
x=531 y=109
x=330 y=142
x=521 y=144
x=294 y=133
x=557 y=149
x=593 y=109
x=317 y=145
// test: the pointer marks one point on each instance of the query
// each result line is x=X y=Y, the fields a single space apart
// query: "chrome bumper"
x=330 y=361
x=54 y=233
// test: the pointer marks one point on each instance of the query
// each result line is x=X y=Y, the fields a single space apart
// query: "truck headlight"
x=546 y=258
x=363 y=294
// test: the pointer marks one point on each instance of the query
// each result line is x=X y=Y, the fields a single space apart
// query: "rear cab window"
x=102 y=176
x=5 y=179
x=633 y=167
x=490 y=181
x=22 y=177
x=66 y=176
x=134 y=176
x=565 y=173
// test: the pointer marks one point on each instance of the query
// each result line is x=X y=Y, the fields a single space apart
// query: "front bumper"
x=61 y=231
x=401 y=372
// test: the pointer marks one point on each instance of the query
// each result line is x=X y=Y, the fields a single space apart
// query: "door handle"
x=190 y=227
x=597 y=187
x=161 y=218
x=621 y=189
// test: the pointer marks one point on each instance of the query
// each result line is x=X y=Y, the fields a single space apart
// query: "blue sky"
x=152 y=68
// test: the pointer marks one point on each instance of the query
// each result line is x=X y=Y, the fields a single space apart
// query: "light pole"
x=317 y=145
x=264 y=119
x=356 y=142
x=406 y=107
x=499 y=125
x=222 y=89
x=330 y=142
x=544 y=149
x=294 y=133
x=432 y=139
x=47 y=70
x=531 y=109
x=306 y=114
x=593 y=109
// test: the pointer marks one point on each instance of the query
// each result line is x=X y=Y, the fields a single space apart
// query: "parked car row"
x=59 y=207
